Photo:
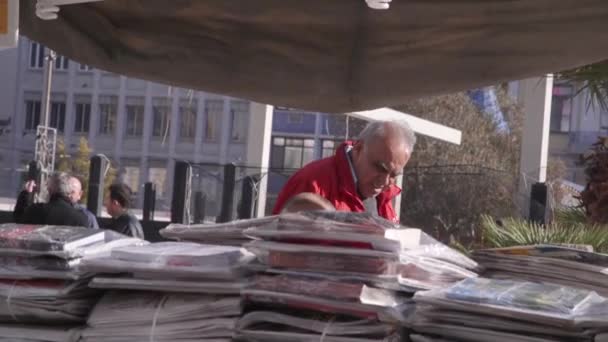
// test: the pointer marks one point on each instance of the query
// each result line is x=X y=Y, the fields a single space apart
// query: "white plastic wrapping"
x=171 y=259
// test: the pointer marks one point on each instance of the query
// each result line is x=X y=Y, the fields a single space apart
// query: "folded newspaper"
x=153 y=316
x=38 y=333
x=549 y=263
x=158 y=265
x=45 y=301
x=480 y=309
x=231 y=233
x=54 y=262
x=279 y=327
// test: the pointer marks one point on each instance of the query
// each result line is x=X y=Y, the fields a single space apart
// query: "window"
x=61 y=63
x=32 y=114
x=239 y=111
x=82 y=114
x=131 y=178
x=561 y=107
x=161 y=109
x=291 y=153
x=213 y=110
x=84 y=67
x=329 y=148
x=295 y=118
x=108 y=108
x=57 y=118
x=36 y=56
x=187 y=117
x=158 y=176
x=135 y=117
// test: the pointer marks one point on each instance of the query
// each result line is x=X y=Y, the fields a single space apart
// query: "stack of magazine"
x=574 y=266
x=176 y=266
x=344 y=264
x=162 y=317
x=230 y=233
x=481 y=309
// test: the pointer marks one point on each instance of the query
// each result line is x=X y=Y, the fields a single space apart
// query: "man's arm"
x=24 y=200
x=295 y=185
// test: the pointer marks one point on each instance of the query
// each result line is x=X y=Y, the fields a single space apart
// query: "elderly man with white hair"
x=59 y=211
x=361 y=176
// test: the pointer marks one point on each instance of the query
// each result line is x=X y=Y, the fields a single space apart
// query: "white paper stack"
x=171 y=266
x=162 y=317
x=480 y=309
x=574 y=267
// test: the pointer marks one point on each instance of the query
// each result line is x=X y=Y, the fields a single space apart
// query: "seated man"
x=117 y=204
x=307 y=201
x=360 y=177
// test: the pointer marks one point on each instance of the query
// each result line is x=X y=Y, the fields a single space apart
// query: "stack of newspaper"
x=44 y=295
x=229 y=234
x=347 y=264
x=162 y=317
x=184 y=292
x=574 y=266
x=481 y=309
x=175 y=266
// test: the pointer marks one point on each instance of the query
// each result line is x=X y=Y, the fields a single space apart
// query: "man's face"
x=378 y=163
x=112 y=207
x=76 y=194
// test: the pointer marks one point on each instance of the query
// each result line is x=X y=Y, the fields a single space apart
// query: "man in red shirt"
x=360 y=177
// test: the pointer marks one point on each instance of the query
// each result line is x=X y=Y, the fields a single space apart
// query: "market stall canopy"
x=327 y=55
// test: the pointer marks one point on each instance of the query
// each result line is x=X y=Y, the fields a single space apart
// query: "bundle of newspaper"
x=47 y=301
x=273 y=325
x=162 y=317
x=574 y=266
x=175 y=266
x=228 y=234
x=52 y=252
x=38 y=333
x=41 y=281
x=352 y=264
x=358 y=246
x=481 y=309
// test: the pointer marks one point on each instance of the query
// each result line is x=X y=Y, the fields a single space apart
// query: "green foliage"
x=515 y=232
x=594 y=81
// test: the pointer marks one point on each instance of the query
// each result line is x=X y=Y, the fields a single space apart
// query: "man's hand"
x=379 y=4
x=29 y=186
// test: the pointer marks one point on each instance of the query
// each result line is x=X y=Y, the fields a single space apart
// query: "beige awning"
x=327 y=55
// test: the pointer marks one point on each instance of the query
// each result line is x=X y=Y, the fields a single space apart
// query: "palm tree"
x=594 y=81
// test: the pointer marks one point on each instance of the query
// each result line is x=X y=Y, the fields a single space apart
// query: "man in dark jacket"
x=117 y=204
x=59 y=210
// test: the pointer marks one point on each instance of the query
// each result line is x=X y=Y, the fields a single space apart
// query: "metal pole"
x=48 y=78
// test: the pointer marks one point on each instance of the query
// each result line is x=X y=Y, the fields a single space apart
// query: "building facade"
x=143 y=127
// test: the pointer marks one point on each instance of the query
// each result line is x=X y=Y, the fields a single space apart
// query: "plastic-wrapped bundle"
x=177 y=259
x=270 y=326
x=35 y=333
x=152 y=316
x=502 y=309
x=348 y=298
x=45 y=301
x=230 y=234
